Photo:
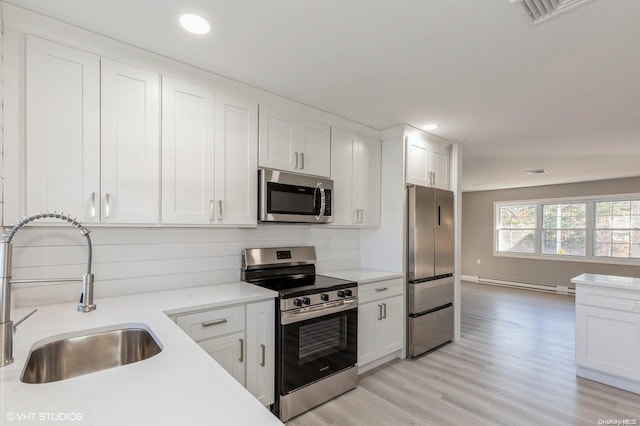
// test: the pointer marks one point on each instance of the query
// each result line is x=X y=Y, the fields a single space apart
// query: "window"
x=605 y=229
x=564 y=229
x=517 y=228
x=617 y=229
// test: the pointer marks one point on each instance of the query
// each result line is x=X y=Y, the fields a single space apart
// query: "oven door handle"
x=317 y=311
x=322 y=201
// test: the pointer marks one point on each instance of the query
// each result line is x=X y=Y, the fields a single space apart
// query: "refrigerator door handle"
x=439 y=216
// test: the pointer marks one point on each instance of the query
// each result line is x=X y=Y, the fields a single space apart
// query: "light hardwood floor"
x=514 y=366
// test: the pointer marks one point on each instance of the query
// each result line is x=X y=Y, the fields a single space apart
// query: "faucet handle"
x=86 y=297
x=21 y=320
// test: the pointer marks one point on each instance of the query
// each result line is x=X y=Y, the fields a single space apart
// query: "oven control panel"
x=318 y=298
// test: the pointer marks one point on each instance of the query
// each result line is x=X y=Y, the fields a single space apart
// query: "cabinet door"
x=367 y=181
x=315 y=148
x=369 y=315
x=130 y=162
x=230 y=353
x=187 y=153
x=608 y=340
x=417 y=151
x=62 y=130
x=278 y=139
x=261 y=350
x=342 y=146
x=390 y=328
x=236 y=135
x=440 y=166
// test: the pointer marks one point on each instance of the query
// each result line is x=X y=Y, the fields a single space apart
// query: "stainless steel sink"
x=88 y=351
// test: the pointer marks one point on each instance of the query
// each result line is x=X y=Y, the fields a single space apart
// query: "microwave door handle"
x=322 y=201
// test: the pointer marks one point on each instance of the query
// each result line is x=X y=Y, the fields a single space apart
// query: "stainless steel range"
x=316 y=327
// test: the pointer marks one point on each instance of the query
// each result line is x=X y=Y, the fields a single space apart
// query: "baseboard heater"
x=560 y=289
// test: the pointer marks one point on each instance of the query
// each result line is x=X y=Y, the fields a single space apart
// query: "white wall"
x=135 y=260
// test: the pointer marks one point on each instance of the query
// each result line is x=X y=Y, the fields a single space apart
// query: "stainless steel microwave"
x=290 y=197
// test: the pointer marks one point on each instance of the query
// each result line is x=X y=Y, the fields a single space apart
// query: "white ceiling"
x=564 y=95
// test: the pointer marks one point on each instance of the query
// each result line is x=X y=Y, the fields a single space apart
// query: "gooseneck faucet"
x=7 y=328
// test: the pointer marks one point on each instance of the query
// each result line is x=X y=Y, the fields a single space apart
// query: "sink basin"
x=88 y=351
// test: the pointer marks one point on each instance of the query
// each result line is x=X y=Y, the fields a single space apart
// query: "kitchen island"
x=608 y=330
x=180 y=385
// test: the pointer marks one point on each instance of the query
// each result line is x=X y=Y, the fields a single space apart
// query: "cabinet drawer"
x=207 y=324
x=381 y=289
x=621 y=300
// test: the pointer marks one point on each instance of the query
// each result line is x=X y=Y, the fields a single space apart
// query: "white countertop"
x=613 y=281
x=180 y=385
x=363 y=276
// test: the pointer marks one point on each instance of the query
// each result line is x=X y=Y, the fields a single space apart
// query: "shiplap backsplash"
x=137 y=260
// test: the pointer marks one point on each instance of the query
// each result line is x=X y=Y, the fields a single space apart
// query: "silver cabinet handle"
x=93 y=204
x=107 y=207
x=219 y=209
x=302 y=161
x=214 y=322
x=296 y=160
x=264 y=349
x=382 y=289
x=241 y=359
x=211 y=209
x=379 y=312
x=384 y=309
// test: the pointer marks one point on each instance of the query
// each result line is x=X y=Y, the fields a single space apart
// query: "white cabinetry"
x=608 y=335
x=187 y=153
x=380 y=322
x=209 y=156
x=355 y=170
x=261 y=350
x=92 y=136
x=241 y=339
x=62 y=130
x=130 y=149
x=427 y=161
x=236 y=151
x=293 y=143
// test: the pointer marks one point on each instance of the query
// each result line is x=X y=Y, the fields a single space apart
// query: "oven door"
x=287 y=197
x=316 y=348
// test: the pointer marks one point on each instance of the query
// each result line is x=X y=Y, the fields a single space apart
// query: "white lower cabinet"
x=261 y=350
x=241 y=339
x=608 y=336
x=229 y=352
x=380 y=321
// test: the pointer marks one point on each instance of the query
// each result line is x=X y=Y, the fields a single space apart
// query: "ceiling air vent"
x=540 y=10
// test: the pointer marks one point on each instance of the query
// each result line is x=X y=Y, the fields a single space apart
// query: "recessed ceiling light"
x=536 y=171
x=195 y=24
x=431 y=126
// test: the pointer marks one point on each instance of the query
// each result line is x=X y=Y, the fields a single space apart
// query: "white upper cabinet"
x=209 y=156
x=367 y=168
x=292 y=143
x=427 y=161
x=187 y=153
x=315 y=148
x=130 y=144
x=62 y=130
x=355 y=170
x=236 y=152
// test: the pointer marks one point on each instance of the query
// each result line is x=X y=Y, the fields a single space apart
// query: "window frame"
x=590 y=256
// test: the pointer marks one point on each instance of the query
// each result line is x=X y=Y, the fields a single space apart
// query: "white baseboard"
x=559 y=289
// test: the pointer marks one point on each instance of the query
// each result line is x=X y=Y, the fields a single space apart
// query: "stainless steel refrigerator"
x=430 y=268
